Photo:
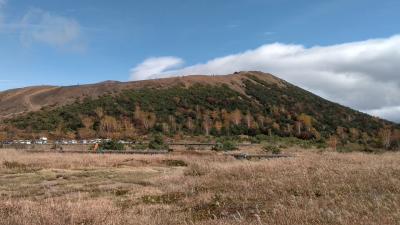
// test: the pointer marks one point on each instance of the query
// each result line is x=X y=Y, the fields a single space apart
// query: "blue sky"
x=116 y=35
x=81 y=41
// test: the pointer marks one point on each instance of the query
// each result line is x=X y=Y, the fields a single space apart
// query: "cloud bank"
x=152 y=67
x=363 y=75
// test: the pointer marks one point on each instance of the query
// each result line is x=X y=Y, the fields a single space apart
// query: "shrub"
x=225 y=146
x=354 y=147
x=321 y=145
x=157 y=143
x=272 y=148
x=139 y=146
x=112 y=145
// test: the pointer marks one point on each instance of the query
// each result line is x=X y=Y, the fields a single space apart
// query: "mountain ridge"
x=15 y=101
x=244 y=103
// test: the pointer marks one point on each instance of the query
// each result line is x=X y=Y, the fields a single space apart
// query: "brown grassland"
x=199 y=188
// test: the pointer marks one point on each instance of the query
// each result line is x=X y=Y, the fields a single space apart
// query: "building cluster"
x=40 y=141
x=45 y=141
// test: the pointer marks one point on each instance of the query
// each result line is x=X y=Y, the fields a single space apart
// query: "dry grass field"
x=198 y=188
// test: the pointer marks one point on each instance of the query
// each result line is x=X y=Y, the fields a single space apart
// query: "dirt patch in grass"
x=174 y=162
x=168 y=198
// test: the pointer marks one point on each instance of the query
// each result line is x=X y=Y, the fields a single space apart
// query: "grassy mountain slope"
x=246 y=103
x=19 y=101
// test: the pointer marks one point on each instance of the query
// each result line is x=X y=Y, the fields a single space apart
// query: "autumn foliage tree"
x=306 y=120
x=332 y=142
x=385 y=135
x=108 y=127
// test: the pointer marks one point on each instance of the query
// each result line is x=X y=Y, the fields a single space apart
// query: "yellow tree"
x=396 y=135
x=99 y=112
x=218 y=125
x=206 y=123
x=108 y=126
x=85 y=133
x=249 y=120
x=340 y=131
x=3 y=135
x=189 y=123
x=58 y=133
x=70 y=135
x=137 y=113
x=289 y=128
x=298 y=126
x=275 y=110
x=332 y=142
x=236 y=117
x=165 y=127
x=385 y=135
x=260 y=120
x=146 y=119
x=150 y=120
x=365 y=137
x=354 y=134
x=306 y=120
x=226 y=120
x=128 y=128
x=198 y=113
x=315 y=133
x=172 y=122
x=87 y=122
x=214 y=115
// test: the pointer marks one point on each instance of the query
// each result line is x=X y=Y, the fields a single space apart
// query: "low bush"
x=225 y=146
x=112 y=145
x=272 y=149
x=354 y=147
x=157 y=143
x=139 y=146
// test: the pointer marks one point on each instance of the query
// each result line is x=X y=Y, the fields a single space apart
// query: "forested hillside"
x=252 y=103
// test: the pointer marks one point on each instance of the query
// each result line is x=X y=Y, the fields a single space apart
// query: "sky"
x=347 y=51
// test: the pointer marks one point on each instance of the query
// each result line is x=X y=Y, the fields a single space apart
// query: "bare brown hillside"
x=19 y=101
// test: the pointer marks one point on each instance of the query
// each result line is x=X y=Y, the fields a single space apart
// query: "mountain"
x=18 y=101
x=244 y=103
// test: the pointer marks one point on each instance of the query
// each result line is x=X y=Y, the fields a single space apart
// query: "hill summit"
x=244 y=103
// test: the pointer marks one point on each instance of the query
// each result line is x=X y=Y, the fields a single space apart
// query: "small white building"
x=41 y=141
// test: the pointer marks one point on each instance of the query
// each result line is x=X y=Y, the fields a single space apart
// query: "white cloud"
x=154 y=66
x=363 y=75
x=2 y=5
x=391 y=113
x=41 y=26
